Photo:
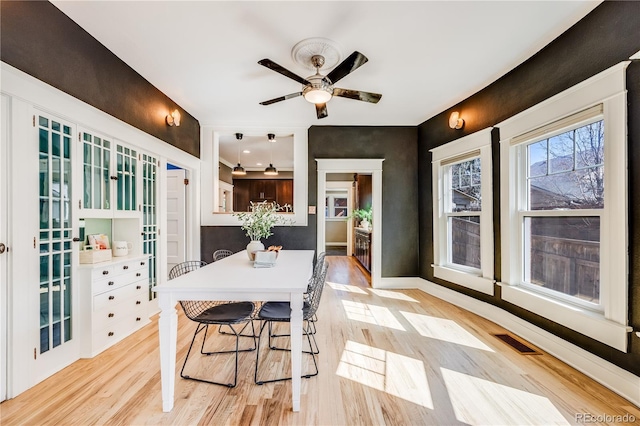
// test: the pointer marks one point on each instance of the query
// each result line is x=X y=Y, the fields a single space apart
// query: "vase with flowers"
x=258 y=223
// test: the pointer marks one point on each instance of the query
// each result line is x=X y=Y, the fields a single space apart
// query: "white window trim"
x=610 y=327
x=476 y=279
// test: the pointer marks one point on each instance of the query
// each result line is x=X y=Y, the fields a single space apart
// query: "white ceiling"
x=424 y=56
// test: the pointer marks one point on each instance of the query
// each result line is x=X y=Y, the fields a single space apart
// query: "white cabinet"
x=113 y=300
x=110 y=178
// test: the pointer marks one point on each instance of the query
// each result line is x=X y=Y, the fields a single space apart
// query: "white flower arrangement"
x=263 y=216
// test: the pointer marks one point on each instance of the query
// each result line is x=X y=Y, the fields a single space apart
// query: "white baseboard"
x=609 y=375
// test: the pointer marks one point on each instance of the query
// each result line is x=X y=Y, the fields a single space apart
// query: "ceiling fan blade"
x=281 y=98
x=349 y=65
x=321 y=110
x=280 y=69
x=358 y=95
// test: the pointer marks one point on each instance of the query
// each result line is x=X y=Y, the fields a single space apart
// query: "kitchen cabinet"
x=362 y=250
x=109 y=176
x=246 y=191
x=112 y=301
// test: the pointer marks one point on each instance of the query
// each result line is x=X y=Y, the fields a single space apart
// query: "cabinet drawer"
x=114 y=332
x=132 y=265
x=102 y=272
x=118 y=281
x=119 y=295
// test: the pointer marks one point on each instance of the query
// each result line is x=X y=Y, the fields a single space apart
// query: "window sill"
x=589 y=323
x=465 y=279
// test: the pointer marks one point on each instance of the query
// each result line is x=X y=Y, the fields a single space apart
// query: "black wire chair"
x=271 y=312
x=312 y=321
x=221 y=254
x=207 y=313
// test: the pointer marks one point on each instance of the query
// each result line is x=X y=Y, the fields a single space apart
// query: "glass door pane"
x=150 y=225
x=96 y=153
x=126 y=162
x=55 y=284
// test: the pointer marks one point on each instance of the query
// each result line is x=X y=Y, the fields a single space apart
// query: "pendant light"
x=271 y=171
x=238 y=170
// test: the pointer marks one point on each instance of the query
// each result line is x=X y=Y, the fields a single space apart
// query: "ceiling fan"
x=318 y=89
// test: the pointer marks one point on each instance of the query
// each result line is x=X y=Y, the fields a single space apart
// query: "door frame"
x=371 y=166
x=4 y=238
x=185 y=217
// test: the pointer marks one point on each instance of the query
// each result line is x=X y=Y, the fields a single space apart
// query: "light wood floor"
x=386 y=357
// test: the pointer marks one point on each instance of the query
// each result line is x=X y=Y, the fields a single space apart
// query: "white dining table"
x=235 y=278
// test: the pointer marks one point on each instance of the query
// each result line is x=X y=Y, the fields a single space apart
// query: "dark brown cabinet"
x=246 y=191
x=362 y=250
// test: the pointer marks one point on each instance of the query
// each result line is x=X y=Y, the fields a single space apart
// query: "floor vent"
x=517 y=344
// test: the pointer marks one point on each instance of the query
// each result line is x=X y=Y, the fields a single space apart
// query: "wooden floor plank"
x=386 y=358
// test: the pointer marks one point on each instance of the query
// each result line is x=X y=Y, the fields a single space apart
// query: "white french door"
x=176 y=217
x=52 y=286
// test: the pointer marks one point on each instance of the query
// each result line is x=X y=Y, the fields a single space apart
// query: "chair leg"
x=312 y=353
x=234 y=333
x=310 y=329
x=204 y=327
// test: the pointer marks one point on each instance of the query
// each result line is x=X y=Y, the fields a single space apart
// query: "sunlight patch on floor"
x=371 y=314
x=478 y=401
x=444 y=329
x=346 y=287
x=392 y=295
x=395 y=374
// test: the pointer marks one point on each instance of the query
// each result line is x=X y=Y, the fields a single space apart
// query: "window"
x=563 y=185
x=463 y=235
x=564 y=210
x=336 y=206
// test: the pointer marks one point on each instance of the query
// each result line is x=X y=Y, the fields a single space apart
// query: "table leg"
x=296 y=348
x=168 y=332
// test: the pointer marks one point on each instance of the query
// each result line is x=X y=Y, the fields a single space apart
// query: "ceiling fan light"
x=271 y=171
x=317 y=96
x=238 y=170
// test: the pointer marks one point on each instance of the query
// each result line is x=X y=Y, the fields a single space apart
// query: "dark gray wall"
x=605 y=37
x=398 y=146
x=40 y=40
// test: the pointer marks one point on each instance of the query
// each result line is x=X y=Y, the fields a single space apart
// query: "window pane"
x=465 y=240
x=563 y=254
x=574 y=177
x=465 y=189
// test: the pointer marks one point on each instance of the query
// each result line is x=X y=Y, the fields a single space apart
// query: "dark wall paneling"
x=398 y=146
x=37 y=35
x=605 y=37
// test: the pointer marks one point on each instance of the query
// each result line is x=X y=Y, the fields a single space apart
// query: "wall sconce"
x=272 y=137
x=173 y=119
x=455 y=122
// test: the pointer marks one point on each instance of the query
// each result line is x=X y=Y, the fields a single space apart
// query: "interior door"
x=176 y=217
x=56 y=344
x=4 y=136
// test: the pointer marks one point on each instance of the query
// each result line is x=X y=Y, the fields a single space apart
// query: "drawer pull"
x=138 y=319
x=142 y=263
x=110 y=315
x=110 y=283
x=111 y=297
x=110 y=334
x=138 y=287
x=138 y=274
x=138 y=302
x=125 y=267
x=105 y=272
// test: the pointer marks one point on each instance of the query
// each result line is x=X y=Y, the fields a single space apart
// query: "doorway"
x=372 y=167
x=176 y=215
x=337 y=212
